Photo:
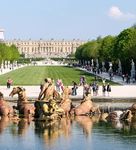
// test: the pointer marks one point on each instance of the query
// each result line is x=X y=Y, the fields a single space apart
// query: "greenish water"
x=80 y=133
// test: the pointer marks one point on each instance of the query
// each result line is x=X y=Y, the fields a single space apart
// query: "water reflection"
x=67 y=133
x=51 y=131
x=4 y=122
x=20 y=127
x=85 y=123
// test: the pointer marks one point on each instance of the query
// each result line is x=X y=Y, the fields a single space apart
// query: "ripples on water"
x=79 y=133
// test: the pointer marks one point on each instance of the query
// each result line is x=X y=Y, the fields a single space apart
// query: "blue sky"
x=65 y=19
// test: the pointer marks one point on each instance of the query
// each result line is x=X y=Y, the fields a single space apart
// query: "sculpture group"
x=51 y=105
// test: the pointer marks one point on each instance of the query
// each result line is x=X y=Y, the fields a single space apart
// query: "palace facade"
x=45 y=49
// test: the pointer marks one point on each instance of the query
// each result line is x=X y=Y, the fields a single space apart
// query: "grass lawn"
x=34 y=75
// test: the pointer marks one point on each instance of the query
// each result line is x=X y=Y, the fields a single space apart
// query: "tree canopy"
x=8 y=53
x=111 y=48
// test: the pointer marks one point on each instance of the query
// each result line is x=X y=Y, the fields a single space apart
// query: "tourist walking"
x=74 y=88
x=94 y=88
x=103 y=89
x=81 y=80
x=9 y=83
x=59 y=86
x=123 y=77
x=127 y=79
x=84 y=80
x=97 y=89
x=108 y=88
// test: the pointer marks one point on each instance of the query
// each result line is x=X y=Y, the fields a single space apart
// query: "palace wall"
x=44 y=48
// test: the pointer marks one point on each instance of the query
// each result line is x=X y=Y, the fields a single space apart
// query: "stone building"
x=45 y=48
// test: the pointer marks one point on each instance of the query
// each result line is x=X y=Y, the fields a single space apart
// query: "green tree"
x=106 y=48
x=8 y=53
x=14 y=53
x=91 y=50
x=125 y=47
x=3 y=51
x=78 y=53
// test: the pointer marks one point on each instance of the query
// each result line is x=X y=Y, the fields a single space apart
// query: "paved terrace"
x=123 y=91
x=118 y=92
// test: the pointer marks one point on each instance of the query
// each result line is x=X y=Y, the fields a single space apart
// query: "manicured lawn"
x=34 y=75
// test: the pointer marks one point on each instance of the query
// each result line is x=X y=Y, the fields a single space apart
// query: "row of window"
x=67 y=49
x=46 y=52
x=42 y=44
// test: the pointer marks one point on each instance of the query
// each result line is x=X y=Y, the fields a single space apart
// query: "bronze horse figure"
x=120 y=115
x=86 y=107
x=66 y=103
x=25 y=109
x=5 y=109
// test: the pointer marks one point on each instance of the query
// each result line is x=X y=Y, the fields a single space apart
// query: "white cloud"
x=116 y=13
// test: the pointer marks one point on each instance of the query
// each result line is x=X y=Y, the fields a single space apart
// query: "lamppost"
x=119 y=68
x=110 y=70
x=132 y=70
x=2 y=66
x=103 y=66
x=92 y=64
x=97 y=65
x=110 y=65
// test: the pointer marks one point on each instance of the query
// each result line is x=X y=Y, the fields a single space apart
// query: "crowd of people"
x=88 y=88
x=93 y=88
x=126 y=78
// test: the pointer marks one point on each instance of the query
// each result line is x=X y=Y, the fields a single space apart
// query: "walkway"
x=105 y=75
x=6 y=70
x=118 y=92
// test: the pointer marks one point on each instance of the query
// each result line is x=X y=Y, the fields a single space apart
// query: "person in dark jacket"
x=74 y=88
x=108 y=88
